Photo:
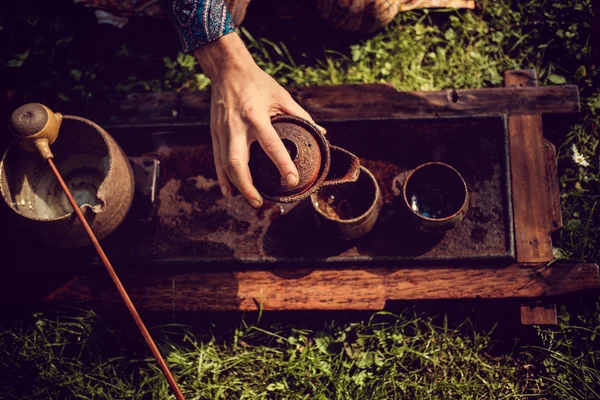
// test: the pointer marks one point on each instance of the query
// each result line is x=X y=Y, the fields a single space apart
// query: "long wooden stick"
x=155 y=352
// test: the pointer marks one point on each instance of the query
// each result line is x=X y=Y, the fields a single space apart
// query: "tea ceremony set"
x=448 y=194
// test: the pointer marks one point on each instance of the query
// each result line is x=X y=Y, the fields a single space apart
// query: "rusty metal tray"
x=179 y=215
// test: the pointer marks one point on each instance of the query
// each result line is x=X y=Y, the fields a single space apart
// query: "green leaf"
x=323 y=343
x=63 y=96
x=581 y=72
x=360 y=378
x=498 y=37
x=557 y=79
x=18 y=59
x=366 y=361
x=325 y=367
x=572 y=225
x=272 y=387
x=450 y=34
x=76 y=74
x=419 y=29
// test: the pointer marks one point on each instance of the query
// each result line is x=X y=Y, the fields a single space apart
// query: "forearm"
x=224 y=55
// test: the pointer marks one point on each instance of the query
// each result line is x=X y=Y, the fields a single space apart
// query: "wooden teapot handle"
x=35 y=127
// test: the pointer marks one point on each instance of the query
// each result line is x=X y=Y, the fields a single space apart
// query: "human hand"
x=244 y=98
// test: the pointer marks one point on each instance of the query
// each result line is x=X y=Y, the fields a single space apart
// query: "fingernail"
x=224 y=190
x=323 y=130
x=256 y=203
x=291 y=179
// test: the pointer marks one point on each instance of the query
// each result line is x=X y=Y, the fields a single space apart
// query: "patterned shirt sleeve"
x=199 y=22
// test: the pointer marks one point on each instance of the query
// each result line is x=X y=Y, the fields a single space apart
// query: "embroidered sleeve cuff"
x=199 y=22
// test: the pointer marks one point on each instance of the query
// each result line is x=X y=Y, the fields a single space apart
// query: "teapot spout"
x=345 y=167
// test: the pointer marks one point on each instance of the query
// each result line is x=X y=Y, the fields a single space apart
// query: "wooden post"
x=531 y=205
x=538 y=313
x=536 y=214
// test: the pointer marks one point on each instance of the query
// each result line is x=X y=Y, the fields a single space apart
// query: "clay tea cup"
x=349 y=210
x=436 y=196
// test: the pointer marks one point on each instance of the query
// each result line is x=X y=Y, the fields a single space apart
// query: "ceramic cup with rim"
x=436 y=196
x=350 y=210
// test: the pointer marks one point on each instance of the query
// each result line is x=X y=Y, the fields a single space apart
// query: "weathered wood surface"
x=536 y=196
x=553 y=186
x=539 y=313
x=345 y=102
x=533 y=209
x=318 y=289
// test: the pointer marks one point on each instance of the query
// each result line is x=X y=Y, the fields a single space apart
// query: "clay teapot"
x=94 y=168
x=319 y=164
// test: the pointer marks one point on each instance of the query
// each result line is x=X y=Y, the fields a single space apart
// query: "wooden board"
x=532 y=196
x=535 y=189
x=556 y=219
x=341 y=102
x=187 y=289
x=539 y=313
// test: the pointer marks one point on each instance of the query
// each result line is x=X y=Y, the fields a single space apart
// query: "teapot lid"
x=309 y=152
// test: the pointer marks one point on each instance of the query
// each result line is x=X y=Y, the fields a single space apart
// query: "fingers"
x=231 y=135
x=236 y=167
x=275 y=149
x=289 y=106
x=224 y=183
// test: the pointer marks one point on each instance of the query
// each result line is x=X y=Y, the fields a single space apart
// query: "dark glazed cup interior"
x=347 y=201
x=436 y=192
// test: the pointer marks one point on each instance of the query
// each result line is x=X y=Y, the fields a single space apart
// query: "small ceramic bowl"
x=436 y=196
x=349 y=210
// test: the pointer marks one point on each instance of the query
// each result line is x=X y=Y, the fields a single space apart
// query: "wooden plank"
x=543 y=312
x=539 y=313
x=342 y=102
x=351 y=288
x=532 y=204
x=553 y=186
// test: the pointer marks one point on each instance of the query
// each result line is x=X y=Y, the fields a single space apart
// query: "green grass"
x=76 y=354
x=388 y=356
